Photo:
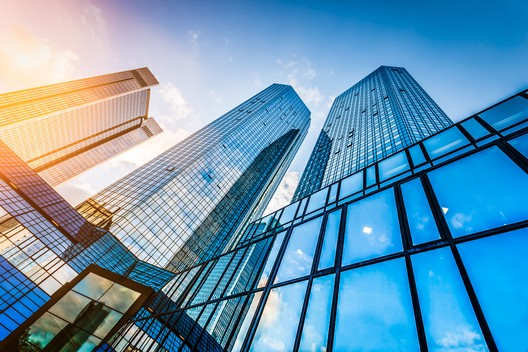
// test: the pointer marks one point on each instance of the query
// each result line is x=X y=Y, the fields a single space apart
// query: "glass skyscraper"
x=185 y=206
x=380 y=115
x=64 y=129
x=425 y=252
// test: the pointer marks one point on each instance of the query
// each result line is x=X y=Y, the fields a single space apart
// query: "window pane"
x=421 y=221
x=317 y=200
x=417 y=155
x=93 y=286
x=445 y=142
x=45 y=329
x=315 y=330
x=298 y=257
x=371 y=175
x=271 y=259
x=449 y=320
x=521 y=144
x=374 y=311
x=333 y=193
x=506 y=114
x=393 y=166
x=69 y=306
x=372 y=228
x=120 y=297
x=474 y=202
x=328 y=250
x=475 y=129
x=497 y=268
x=278 y=324
x=288 y=213
x=351 y=185
x=253 y=302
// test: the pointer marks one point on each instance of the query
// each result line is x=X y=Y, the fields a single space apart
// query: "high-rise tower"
x=64 y=129
x=185 y=205
x=380 y=115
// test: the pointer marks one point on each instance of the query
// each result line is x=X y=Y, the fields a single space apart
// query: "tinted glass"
x=393 y=166
x=445 y=142
x=288 y=213
x=246 y=323
x=298 y=257
x=315 y=330
x=317 y=200
x=120 y=297
x=449 y=320
x=421 y=222
x=497 y=268
x=372 y=228
x=521 y=144
x=506 y=114
x=271 y=259
x=417 y=155
x=374 y=311
x=472 y=203
x=371 y=175
x=277 y=326
x=351 y=185
x=475 y=129
x=328 y=250
x=93 y=286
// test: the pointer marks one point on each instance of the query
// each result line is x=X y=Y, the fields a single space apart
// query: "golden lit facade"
x=64 y=129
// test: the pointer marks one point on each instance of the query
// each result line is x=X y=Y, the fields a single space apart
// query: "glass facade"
x=64 y=129
x=377 y=117
x=430 y=256
x=188 y=204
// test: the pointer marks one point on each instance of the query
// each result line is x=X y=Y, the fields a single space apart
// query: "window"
x=417 y=155
x=328 y=249
x=480 y=192
x=521 y=144
x=351 y=185
x=317 y=200
x=445 y=142
x=506 y=114
x=393 y=166
x=271 y=259
x=475 y=129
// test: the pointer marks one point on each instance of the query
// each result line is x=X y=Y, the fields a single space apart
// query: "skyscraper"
x=186 y=205
x=377 y=117
x=427 y=252
x=64 y=129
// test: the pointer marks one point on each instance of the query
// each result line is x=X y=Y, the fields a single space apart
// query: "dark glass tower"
x=186 y=205
x=380 y=115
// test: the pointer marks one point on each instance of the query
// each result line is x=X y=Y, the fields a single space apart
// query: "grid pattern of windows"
x=48 y=126
x=419 y=254
x=211 y=183
x=382 y=114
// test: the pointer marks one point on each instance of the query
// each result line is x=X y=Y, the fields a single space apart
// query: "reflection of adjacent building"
x=184 y=206
x=62 y=130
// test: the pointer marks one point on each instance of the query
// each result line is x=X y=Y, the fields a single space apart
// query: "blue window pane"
x=445 y=142
x=449 y=319
x=473 y=202
x=372 y=228
x=298 y=257
x=419 y=216
x=253 y=302
x=497 y=268
x=328 y=250
x=506 y=114
x=417 y=155
x=315 y=330
x=521 y=144
x=393 y=166
x=333 y=193
x=278 y=324
x=317 y=200
x=351 y=185
x=288 y=213
x=475 y=129
x=271 y=259
x=374 y=311
x=371 y=175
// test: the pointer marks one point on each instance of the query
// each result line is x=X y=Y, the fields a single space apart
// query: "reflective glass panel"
x=506 y=114
x=69 y=306
x=521 y=144
x=417 y=155
x=448 y=317
x=298 y=257
x=253 y=302
x=45 y=329
x=333 y=193
x=475 y=129
x=315 y=330
x=393 y=166
x=371 y=175
x=288 y=213
x=317 y=200
x=93 y=286
x=328 y=250
x=445 y=142
x=497 y=268
x=351 y=185
x=277 y=326
x=120 y=297
x=421 y=222
x=372 y=228
x=473 y=202
x=271 y=259
x=374 y=311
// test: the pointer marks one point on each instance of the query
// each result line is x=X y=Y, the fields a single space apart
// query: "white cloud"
x=27 y=60
x=465 y=340
x=178 y=106
x=284 y=193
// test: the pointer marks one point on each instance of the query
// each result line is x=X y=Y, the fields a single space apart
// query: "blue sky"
x=211 y=55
